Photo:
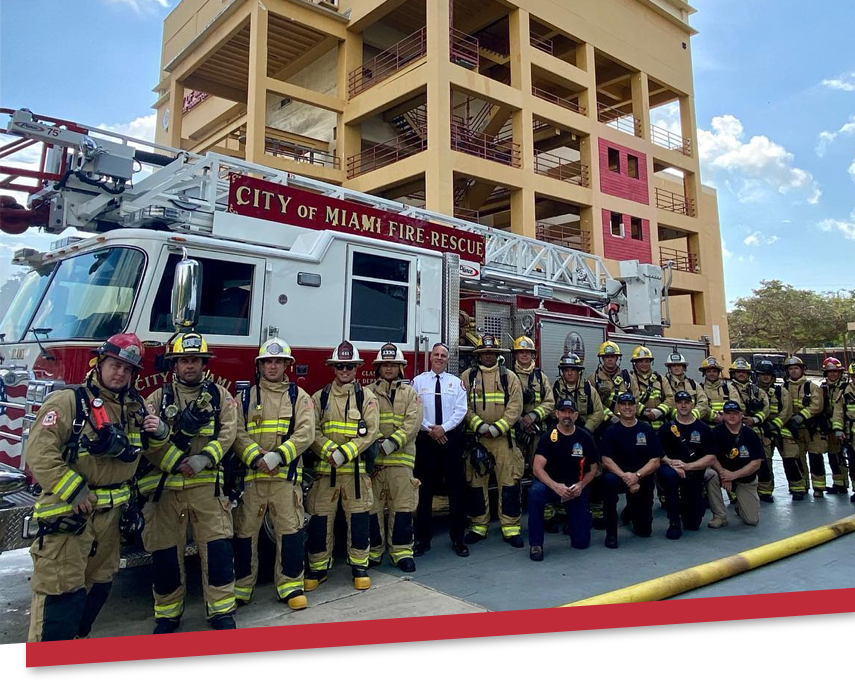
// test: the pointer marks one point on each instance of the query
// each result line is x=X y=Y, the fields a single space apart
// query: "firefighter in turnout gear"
x=718 y=391
x=83 y=450
x=830 y=438
x=495 y=402
x=276 y=425
x=807 y=407
x=194 y=429
x=680 y=381
x=609 y=381
x=844 y=414
x=780 y=412
x=394 y=487
x=754 y=403
x=538 y=402
x=347 y=423
x=654 y=394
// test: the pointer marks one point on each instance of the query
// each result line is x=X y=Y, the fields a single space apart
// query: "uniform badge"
x=50 y=418
x=640 y=439
x=743 y=452
x=577 y=450
x=734 y=452
x=695 y=438
x=676 y=431
x=554 y=436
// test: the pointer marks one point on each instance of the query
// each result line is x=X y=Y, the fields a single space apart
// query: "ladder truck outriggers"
x=242 y=252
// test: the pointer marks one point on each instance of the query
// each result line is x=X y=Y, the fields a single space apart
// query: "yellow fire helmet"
x=641 y=353
x=794 y=360
x=740 y=364
x=390 y=353
x=189 y=344
x=710 y=364
x=608 y=348
x=852 y=368
x=523 y=343
x=275 y=348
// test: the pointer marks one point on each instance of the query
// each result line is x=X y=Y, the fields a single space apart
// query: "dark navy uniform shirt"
x=568 y=457
x=631 y=447
x=735 y=451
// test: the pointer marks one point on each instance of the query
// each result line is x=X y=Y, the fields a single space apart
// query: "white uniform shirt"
x=453 y=399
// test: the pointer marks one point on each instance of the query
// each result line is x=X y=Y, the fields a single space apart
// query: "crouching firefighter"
x=276 y=424
x=495 y=401
x=194 y=428
x=346 y=426
x=83 y=450
x=394 y=486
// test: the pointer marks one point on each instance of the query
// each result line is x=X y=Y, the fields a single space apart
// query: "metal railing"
x=463 y=49
x=670 y=140
x=467 y=214
x=385 y=153
x=388 y=62
x=680 y=260
x=501 y=150
x=286 y=149
x=565 y=235
x=558 y=100
x=561 y=168
x=674 y=202
x=618 y=119
x=544 y=44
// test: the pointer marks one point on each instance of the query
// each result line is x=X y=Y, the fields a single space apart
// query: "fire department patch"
x=50 y=418
x=640 y=439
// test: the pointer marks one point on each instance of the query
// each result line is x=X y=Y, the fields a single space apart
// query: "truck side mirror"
x=186 y=290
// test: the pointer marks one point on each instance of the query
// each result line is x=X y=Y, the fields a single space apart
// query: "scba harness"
x=110 y=441
x=503 y=380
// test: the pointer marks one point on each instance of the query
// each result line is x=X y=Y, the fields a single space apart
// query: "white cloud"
x=727 y=254
x=745 y=258
x=141 y=127
x=755 y=167
x=852 y=171
x=758 y=238
x=667 y=117
x=845 y=227
x=140 y=6
x=844 y=82
x=826 y=138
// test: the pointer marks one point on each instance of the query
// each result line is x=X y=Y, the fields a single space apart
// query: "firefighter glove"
x=795 y=423
x=484 y=429
x=272 y=459
x=388 y=446
x=494 y=431
x=840 y=435
x=198 y=462
x=82 y=496
x=339 y=458
x=162 y=430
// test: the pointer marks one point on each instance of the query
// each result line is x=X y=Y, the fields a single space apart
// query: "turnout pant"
x=165 y=536
x=396 y=489
x=684 y=496
x=437 y=464
x=578 y=515
x=72 y=575
x=509 y=471
x=793 y=454
x=747 y=499
x=282 y=500
x=322 y=505
x=766 y=473
x=640 y=504
x=817 y=445
x=831 y=445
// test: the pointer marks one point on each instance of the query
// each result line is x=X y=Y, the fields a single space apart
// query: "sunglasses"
x=344 y=366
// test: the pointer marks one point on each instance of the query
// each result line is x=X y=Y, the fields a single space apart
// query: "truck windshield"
x=90 y=296
x=17 y=317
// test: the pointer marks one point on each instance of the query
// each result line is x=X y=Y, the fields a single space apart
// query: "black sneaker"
x=767 y=498
x=836 y=489
x=674 y=531
x=420 y=548
x=515 y=540
x=536 y=553
x=460 y=548
x=473 y=537
x=551 y=526
x=798 y=496
x=611 y=541
x=407 y=565
x=223 y=622
x=165 y=626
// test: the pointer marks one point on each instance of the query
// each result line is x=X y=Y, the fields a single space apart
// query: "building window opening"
x=636 y=231
x=617 y=224
x=614 y=160
x=632 y=166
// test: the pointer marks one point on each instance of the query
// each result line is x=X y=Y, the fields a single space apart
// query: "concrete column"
x=641 y=104
x=591 y=221
x=176 y=113
x=591 y=217
x=256 y=99
x=522 y=200
x=688 y=125
x=348 y=138
x=586 y=58
x=439 y=177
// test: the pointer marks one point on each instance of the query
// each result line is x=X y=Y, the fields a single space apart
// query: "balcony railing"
x=298 y=153
x=467 y=214
x=680 y=260
x=563 y=102
x=463 y=49
x=670 y=140
x=544 y=44
x=387 y=62
x=618 y=119
x=563 y=169
x=674 y=202
x=502 y=150
x=565 y=235
x=385 y=153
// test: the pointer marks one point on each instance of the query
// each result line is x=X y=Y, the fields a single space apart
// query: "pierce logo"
x=30 y=127
x=469 y=271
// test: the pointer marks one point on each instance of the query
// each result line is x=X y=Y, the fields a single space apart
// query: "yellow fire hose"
x=701 y=575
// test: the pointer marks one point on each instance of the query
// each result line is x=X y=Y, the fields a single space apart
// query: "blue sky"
x=775 y=102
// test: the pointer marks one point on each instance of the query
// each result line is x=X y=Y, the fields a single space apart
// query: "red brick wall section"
x=621 y=184
x=626 y=248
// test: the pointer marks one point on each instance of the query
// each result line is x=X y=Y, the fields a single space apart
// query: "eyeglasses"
x=345 y=366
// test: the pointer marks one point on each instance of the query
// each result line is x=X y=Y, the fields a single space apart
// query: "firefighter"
x=774 y=435
x=717 y=390
x=495 y=402
x=347 y=422
x=829 y=438
x=609 y=380
x=194 y=422
x=754 y=403
x=83 y=450
x=807 y=407
x=844 y=414
x=394 y=487
x=680 y=381
x=276 y=425
x=538 y=402
x=652 y=391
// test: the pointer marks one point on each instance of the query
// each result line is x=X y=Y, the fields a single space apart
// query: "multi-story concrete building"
x=534 y=116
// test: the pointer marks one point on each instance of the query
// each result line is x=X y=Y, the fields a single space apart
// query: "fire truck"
x=167 y=239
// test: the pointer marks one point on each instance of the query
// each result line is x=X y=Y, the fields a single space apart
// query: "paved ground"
x=495 y=577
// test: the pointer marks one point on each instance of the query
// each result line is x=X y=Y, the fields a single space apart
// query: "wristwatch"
x=638 y=474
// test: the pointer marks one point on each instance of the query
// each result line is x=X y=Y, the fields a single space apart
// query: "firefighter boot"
x=361 y=581
x=313 y=579
x=223 y=622
x=166 y=626
x=296 y=600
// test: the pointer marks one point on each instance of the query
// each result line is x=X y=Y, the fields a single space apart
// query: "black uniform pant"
x=438 y=464
x=684 y=496
x=640 y=504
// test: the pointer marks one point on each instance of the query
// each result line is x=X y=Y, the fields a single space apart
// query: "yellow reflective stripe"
x=108 y=498
x=391 y=417
x=330 y=425
x=243 y=593
x=149 y=482
x=479 y=529
x=396 y=459
x=349 y=450
x=695 y=412
x=320 y=566
x=289 y=450
x=287 y=588
x=502 y=425
x=761 y=416
x=175 y=610
x=361 y=562
x=835 y=425
x=492 y=397
x=225 y=606
x=475 y=422
x=540 y=412
x=279 y=474
x=399 y=554
x=777 y=422
x=329 y=446
x=215 y=450
x=399 y=436
x=250 y=453
x=43 y=510
x=170 y=459
x=68 y=484
x=511 y=530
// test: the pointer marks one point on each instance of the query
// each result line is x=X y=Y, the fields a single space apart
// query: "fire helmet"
x=675 y=358
x=191 y=345
x=275 y=348
x=794 y=360
x=831 y=364
x=488 y=344
x=710 y=363
x=608 y=348
x=765 y=367
x=570 y=361
x=124 y=347
x=390 y=353
x=641 y=353
x=523 y=343
x=740 y=365
x=345 y=352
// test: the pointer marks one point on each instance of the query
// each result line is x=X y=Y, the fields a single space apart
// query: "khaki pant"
x=165 y=536
x=322 y=505
x=747 y=499
x=509 y=471
x=66 y=568
x=830 y=444
x=395 y=489
x=283 y=500
x=766 y=476
x=810 y=450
